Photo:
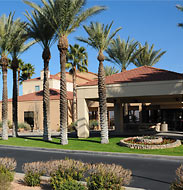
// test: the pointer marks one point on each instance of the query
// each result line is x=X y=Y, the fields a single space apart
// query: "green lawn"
x=90 y=144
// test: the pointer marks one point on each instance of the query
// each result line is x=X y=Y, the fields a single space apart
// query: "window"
x=37 y=88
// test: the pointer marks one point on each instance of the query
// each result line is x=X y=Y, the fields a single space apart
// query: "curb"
x=122 y=155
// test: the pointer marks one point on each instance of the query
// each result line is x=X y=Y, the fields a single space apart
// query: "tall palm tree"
x=123 y=52
x=110 y=70
x=77 y=59
x=148 y=56
x=5 y=29
x=67 y=17
x=41 y=30
x=180 y=7
x=99 y=37
x=17 y=38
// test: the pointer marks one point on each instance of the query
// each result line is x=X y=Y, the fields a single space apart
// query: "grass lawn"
x=90 y=144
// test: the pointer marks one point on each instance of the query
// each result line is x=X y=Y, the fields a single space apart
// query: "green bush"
x=32 y=179
x=72 y=127
x=33 y=172
x=7 y=167
x=59 y=183
x=108 y=176
x=66 y=169
x=178 y=183
x=7 y=173
x=24 y=126
x=5 y=184
x=93 y=123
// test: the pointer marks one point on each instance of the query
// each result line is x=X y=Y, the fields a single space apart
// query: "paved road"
x=148 y=173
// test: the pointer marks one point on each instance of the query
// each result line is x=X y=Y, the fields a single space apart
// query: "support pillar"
x=140 y=112
x=118 y=117
x=83 y=119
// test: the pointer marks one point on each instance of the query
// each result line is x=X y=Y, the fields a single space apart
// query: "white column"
x=118 y=117
x=83 y=118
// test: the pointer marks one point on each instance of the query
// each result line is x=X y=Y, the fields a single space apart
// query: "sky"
x=154 y=21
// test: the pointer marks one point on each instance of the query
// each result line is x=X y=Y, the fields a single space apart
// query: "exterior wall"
x=29 y=86
x=155 y=88
x=115 y=91
x=37 y=107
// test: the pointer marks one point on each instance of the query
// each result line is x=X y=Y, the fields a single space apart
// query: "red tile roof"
x=140 y=74
x=38 y=96
x=51 y=77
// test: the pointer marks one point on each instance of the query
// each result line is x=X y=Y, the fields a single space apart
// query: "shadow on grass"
x=58 y=143
x=40 y=140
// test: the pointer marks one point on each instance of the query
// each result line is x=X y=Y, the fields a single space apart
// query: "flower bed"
x=149 y=143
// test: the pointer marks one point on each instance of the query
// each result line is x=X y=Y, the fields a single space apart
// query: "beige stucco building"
x=30 y=104
x=153 y=95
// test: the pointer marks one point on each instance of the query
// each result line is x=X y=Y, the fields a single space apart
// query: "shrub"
x=5 y=184
x=72 y=127
x=58 y=183
x=178 y=183
x=67 y=168
x=108 y=176
x=24 y=126
x=93 y=123
x=32 y=179
x=7 y=166
x=33 y=172
x=8 y=163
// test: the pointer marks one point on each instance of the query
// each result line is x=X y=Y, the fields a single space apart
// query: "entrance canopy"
x=140 y=85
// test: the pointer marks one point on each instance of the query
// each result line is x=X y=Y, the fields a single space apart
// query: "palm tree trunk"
x=4 y=63
x=18 y=83
x=63 y=47
x=14 y=102
x=74 y=95
x=46 y=97
x=102 y=100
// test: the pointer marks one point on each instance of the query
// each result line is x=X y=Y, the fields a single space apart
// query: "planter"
x=144 y=146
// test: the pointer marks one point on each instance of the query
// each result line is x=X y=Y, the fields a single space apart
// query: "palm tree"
x=123 y=53
x=17 y=38
x=78 y=59
x=99 y=37
x=110 y=70
x=27 y=70
x=41 y=31
x=180 y=7
x=5 y=29
x=148 y=56
x=67 y=17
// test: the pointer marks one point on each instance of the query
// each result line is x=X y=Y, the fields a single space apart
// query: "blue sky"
x=149 y=20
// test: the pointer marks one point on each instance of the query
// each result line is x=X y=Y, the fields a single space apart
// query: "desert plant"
x=108 y=176
x=93 y=123
x=24 y=126
x=33 y=172
x=7 y=166
x=8 y=163
x=59 y=183
x=178 y=183
x=72 y=127
x=66 y=169
x=5 y=184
